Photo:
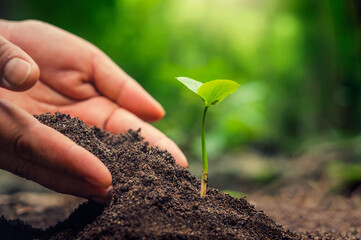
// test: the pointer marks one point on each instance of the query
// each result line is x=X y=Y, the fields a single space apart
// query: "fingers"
x=45 y=152
x=49 y=178
x=45 y=146
x=115 y=84
x=103 y=113
x=18 y=72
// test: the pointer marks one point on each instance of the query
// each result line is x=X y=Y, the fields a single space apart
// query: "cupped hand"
x=75 y=78
x=79 y=79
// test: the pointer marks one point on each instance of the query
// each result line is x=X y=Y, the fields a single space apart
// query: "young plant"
x=212 y=93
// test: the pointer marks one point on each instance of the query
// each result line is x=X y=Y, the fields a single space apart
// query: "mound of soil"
x=153 y=197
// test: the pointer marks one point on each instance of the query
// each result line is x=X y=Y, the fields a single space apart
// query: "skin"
x=62 y=72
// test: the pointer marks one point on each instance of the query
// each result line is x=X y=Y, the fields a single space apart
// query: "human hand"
x=76 y=78
x=79 y=79
x=37 y=152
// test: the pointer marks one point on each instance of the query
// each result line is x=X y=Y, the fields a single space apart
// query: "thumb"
x=18 y=71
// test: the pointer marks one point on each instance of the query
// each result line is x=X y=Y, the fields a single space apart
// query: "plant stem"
x=204 y=180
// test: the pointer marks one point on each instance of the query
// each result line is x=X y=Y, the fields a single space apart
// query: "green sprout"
x=212 y=93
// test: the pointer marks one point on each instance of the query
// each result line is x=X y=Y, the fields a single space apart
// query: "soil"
x=154 y=198
x=336 y=217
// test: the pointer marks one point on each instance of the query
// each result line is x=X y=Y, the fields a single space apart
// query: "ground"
x=333 y=217
x=147 y=181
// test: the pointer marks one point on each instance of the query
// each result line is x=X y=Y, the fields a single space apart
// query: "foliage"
x=212 y=92
x=235 y=193
x=301 y=60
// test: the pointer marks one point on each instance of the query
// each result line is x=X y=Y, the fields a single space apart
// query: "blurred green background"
x=298 y=63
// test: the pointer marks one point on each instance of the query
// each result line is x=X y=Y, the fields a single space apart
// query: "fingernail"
x=162 y=110
x=157 y=105
x=95 y=182
x=160 y=107
x=16 y=72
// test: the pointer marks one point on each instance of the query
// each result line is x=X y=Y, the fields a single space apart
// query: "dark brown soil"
x=153 y=197
x=156 y=199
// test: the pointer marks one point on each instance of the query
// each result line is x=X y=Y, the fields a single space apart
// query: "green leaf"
x=215 y=91
x=190 y=83
x=235 y=193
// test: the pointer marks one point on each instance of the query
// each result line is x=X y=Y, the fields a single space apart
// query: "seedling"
x=211 y=93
